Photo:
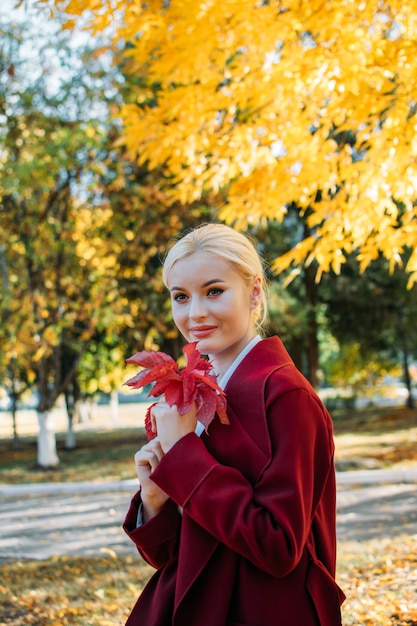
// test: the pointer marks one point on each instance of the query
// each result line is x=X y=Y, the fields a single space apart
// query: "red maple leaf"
x=182 y=387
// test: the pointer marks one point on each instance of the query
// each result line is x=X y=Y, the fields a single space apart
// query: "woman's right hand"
x=146 y=460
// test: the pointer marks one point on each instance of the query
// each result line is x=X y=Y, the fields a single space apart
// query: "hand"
x=146 y=460
x=170 y=425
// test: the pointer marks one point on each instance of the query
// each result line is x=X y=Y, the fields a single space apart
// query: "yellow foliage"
x=263 y=100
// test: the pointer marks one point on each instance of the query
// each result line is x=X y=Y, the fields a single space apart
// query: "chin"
x=203 y=346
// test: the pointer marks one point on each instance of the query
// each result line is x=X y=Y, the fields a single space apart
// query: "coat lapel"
x=247 y=400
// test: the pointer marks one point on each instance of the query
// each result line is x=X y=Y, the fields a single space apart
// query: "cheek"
x=179 y=317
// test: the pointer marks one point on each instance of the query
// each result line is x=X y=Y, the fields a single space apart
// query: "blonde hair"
x=228 y=244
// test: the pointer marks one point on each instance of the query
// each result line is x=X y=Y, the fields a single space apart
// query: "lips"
x=202 y=331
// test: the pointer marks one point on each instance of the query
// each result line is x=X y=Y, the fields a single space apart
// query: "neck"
x=222 y=363
x=218 y=368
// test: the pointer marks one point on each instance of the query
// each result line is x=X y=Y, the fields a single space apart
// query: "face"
x=212 y=304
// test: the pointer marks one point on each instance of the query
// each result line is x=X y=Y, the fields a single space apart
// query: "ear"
x=256 y=293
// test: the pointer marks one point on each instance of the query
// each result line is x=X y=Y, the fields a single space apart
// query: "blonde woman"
x=239 y=522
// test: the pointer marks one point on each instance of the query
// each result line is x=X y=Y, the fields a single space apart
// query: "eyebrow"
x=212 y=281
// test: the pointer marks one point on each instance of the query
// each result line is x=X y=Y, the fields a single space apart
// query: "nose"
x=197 y=309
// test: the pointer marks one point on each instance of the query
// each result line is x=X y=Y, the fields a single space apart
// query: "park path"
x=84 y=523
x=84 y=519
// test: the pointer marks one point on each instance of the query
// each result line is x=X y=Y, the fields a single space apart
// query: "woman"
x=240 y=521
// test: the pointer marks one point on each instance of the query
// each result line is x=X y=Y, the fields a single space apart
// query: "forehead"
x=200 y=267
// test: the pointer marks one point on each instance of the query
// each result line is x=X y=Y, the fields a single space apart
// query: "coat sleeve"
x=157 y=540
x=267 y=522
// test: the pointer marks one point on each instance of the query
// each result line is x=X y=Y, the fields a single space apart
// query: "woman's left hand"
x=170 y=425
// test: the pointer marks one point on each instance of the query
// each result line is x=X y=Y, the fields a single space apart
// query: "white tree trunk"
x=114 y=407
x=84 y=414
x=70 y=440
x=47 y=454
x=87 y=410
x=93 y=409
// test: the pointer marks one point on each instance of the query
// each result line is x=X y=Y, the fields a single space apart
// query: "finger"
x=146 y=457
x=158 y=409
x=161 y=405
x=155 y=447
x=153 y=424
x=161 y=411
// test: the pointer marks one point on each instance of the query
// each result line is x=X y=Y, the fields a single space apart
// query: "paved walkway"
x=39 y=521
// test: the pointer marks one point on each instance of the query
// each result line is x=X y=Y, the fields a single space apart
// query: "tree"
x=144 y=221
x=82 y=232
x=62 y=288
x=373 y=315
x=279 y=102
x=293 y=308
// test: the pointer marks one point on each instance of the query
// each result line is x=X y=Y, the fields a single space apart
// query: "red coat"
x=256 y=543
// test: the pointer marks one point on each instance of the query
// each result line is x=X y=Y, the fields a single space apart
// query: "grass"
x=99 y=455
x=376 y=438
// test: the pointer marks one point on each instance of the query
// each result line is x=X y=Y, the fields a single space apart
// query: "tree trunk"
x=13 y=408
x=70 y=439
x=114 y=407
x=312 y=330
x=93 y=409
x=84 y=411
x=16 y=441
x=407 y=378
x=47 y=454
x=406 y=359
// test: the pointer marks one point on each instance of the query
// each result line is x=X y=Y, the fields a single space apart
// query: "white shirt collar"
x=231 y=370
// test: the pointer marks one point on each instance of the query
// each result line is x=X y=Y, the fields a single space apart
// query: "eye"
x=179 y=297
x=215 y=291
